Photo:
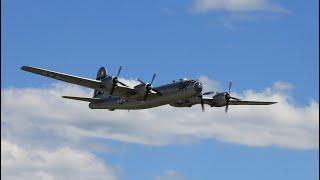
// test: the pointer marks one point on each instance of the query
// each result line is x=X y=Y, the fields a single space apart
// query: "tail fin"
x=101 y=74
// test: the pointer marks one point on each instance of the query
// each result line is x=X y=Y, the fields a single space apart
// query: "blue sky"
x=254 y=48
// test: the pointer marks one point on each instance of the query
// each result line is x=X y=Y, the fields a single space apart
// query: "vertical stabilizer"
x=101 y=74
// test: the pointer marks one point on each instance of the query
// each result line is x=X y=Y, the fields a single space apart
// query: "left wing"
x=84 y=99
x=89 y=83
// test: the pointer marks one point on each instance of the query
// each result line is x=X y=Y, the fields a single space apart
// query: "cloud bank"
x=41 y=112
x=63 y=163
x=46 y=131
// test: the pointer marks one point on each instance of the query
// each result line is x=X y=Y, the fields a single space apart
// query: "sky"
x=268 y=48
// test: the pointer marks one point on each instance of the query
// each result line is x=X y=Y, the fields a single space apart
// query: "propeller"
x=201 y=98
x=230 y=85
x=149 y=87
x=115 y=81
x=228 y=97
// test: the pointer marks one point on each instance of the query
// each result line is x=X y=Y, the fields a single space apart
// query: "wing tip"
x=24 y=68
x=270 y=103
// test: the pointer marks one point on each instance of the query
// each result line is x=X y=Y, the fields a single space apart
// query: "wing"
x=83 y=99
x=89 y=83
x=251 y=103
x=209 y=101
x=205 y=101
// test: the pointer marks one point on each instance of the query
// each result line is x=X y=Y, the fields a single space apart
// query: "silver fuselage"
x=171 y=93
x=110 y=93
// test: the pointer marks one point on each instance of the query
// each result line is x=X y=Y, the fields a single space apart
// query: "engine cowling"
x=107 y=83
x=140 y=89
x=219 y=100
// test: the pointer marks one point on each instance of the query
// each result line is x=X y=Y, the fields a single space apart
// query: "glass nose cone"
x=198 y=86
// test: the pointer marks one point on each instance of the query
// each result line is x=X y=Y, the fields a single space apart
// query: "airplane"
x=110 y=93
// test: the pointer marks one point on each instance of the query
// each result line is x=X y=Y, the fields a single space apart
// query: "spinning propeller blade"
x=141 y=81
x=228 y=97
x=230 y=84
x=115 y=81
x=201 y=99
x=202 y=104
x=153 y=77
x=149 y=87
x=119 y=71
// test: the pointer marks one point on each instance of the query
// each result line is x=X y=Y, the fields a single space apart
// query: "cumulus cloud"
x=46 y=137
x=237 y=6
x=234 y=14
x=62 y=163
x=44 y=115
x=209 y=84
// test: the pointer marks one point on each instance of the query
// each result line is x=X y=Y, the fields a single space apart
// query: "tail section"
x=101 y=74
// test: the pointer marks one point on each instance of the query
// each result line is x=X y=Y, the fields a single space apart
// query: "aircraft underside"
x=152 y=101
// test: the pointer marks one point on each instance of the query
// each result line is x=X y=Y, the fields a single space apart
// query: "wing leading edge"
x=89 y=83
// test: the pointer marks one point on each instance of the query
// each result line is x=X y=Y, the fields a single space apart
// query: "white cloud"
x=44 y=115
x=42 y=133
x=232 y=14
x=170 y=175
x=283 y=86
x=237 y=6
x=62 y=163
x=209 y=84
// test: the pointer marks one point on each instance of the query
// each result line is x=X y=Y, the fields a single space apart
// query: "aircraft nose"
x=198 y=86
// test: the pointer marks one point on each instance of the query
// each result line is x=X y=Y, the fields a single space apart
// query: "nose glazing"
x=198 y=86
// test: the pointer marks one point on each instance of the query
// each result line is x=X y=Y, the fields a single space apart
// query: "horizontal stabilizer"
x=250 y=103
x=83 y=99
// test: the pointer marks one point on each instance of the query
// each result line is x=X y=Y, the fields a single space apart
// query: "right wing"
x=209 y=101
x=89 y=83
x=250 y=103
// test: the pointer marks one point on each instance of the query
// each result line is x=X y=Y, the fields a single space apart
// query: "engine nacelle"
x=106 y=83
x=219 y=100
x=140 y=89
